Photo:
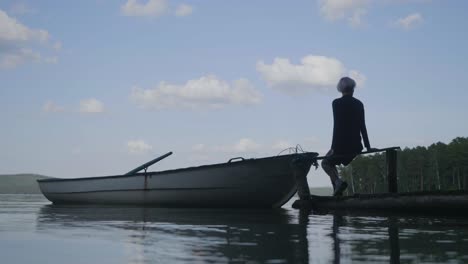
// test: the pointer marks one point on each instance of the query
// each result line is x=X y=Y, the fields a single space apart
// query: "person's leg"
x=301 y=169
x=341 y=185
x=330 y=170
x=329 y=166
x=303 y=190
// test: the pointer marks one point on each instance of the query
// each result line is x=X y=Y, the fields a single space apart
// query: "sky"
x=99 y=87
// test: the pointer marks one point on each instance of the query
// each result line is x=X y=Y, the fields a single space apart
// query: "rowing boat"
x=265 y=182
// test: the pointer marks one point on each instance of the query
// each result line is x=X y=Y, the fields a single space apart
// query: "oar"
x=149 y=163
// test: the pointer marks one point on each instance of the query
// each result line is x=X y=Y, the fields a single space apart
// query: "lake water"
x=34 y=231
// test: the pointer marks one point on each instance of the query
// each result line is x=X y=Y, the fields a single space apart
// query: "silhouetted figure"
x=348 y=126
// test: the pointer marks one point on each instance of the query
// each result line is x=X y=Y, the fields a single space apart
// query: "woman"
x=348 y=126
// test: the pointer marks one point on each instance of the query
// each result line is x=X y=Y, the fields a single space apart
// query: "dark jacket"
x=348 y=125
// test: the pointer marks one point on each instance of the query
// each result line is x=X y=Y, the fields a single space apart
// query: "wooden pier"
x=449 y=202
x=437 y=202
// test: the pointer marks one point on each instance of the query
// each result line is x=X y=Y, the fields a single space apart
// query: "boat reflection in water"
x=258 y=236
x=184 y=235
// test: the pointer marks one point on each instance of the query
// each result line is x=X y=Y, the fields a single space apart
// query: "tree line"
x=437 y=167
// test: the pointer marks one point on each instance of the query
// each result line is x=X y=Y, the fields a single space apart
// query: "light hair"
x=346 y=85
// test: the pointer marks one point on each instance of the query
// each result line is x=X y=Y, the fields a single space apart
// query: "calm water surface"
x=34 y=231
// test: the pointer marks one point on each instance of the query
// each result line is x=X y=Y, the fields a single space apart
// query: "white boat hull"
x=267 y=182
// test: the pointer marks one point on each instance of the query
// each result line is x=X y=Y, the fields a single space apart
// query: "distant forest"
x=20 y=183
x=437 y=167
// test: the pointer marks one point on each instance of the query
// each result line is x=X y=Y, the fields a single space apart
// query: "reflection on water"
x=91 y=234
x=186 y=234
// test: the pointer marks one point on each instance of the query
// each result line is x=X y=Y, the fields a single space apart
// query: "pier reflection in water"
x=258 y=236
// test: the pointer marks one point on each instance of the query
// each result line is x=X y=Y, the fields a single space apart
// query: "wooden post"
x=392 y=170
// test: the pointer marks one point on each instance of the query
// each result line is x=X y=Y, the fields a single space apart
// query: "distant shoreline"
x=20 y=183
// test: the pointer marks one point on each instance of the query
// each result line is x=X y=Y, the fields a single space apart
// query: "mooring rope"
x=293 y=150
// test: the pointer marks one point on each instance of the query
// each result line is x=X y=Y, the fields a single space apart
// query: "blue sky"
x=98 y=87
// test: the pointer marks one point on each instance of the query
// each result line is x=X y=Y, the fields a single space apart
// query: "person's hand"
x=329 y=153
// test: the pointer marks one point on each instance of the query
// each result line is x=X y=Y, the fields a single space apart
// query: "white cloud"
x=152 y=8
x=16 y=40
x=12 y=30
x=138 y=146
x=183 y=10
x=244 y=145
x=410 y=22
x=51 y=107
x=205 y=92
x=313 y=73
x=14 y=58
x=91 y=105
x=352 y=10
